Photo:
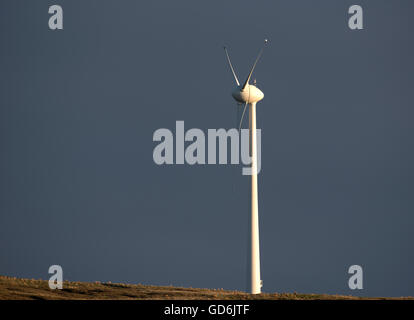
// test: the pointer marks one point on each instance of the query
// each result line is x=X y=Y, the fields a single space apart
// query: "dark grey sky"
x=78 y=185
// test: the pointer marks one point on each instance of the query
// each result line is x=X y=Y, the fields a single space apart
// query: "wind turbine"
x=249 y=95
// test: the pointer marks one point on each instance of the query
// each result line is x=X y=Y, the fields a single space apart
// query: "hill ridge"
x=12 y=288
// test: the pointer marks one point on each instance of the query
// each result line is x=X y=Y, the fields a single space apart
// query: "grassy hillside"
x=13 y=288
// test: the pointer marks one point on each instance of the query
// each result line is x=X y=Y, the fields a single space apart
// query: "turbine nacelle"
x=250 y=94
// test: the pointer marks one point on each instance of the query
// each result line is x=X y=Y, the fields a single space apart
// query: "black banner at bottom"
x=206 y=309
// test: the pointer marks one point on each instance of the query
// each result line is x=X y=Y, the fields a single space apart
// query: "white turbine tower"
x=249 y=95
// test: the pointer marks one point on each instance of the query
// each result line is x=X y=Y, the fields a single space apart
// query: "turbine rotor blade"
x=241 y=119
x=244 y=110
x=254 y=66
x=231 y=66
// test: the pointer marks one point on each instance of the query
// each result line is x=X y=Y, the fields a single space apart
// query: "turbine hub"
x=250 y=94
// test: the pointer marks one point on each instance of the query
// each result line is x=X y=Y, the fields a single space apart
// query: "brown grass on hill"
x=22 y=289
